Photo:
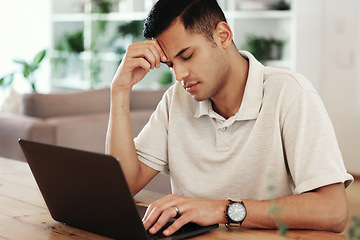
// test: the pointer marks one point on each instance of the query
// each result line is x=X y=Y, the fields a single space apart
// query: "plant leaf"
x=39 y=57
x=6 y=80
x=27 y=70
x=22 y=62
x=11 y=79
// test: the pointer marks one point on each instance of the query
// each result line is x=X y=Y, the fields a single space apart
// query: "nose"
x=180 y=72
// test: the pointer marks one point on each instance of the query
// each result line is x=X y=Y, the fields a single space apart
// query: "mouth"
x=190 y=87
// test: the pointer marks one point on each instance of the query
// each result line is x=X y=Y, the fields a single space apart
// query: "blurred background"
x=85 y=40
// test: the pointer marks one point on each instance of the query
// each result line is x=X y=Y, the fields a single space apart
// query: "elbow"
x=335 y=210
x=340 y=225
x=339 y=219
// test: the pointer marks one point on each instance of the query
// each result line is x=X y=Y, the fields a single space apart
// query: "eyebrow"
x=181 y=51
x=178 y=54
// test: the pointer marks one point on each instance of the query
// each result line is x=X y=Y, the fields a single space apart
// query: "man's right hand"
x=139 y=59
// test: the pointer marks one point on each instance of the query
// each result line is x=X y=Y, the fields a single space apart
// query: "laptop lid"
x=87 y=190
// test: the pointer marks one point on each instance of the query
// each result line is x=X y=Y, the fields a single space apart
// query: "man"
x=227 y=129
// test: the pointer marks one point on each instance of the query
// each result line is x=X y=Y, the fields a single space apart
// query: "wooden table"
x=23 y=214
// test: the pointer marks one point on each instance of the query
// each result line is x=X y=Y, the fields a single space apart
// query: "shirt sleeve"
x=312 y=153
x=151 y=144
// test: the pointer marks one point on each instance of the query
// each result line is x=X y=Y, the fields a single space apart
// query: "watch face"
x=237 y=212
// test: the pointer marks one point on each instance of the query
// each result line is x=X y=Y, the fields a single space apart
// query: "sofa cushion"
x=85 y=132
x=145 y=99
x=65 y=104
x=13 y=127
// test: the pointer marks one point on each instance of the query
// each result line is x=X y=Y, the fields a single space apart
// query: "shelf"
x=80 y=17
x=279 y=63
x=68 y=17
x=76 y=15
x=259 y=14
x=119 y=16
x=86 y=55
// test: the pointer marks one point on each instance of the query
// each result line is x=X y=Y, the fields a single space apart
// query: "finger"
x=156 y=50
x=149 y=55
x=159 y=49
x=133 y=65
x=147 y=213
x=155 y=209
x=150 y=50
x=162 y=220
x=162 y=52
x=159 y=202
x=156 y=54
x=152 y=214
x=181 y=221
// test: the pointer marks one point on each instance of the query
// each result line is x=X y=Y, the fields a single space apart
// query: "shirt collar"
x=252 y=99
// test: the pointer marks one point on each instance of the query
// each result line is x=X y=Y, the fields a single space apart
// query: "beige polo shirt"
x=281 y=136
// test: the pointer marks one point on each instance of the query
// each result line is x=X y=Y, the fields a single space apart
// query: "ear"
x=223 y=34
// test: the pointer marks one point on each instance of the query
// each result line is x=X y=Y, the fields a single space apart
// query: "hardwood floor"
x=353 y=194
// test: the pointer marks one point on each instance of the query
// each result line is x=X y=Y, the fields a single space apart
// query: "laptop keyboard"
x=190 y=227
x=159 y=234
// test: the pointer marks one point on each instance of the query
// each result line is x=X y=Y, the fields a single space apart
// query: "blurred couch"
x=76 y=119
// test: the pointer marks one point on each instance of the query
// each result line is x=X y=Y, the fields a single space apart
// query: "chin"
x=199 y=98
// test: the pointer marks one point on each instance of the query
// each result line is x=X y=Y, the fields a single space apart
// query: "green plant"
x=258 y=46
x=276 y=48
x=72 y=43
x=7 y=80
x=275 y=210
x=102 y=6
x=264 y=48
x=133 y=28
x=282 y=5
x=94 y=65
x=28 y=69
x=120 y=52
x=354 y=231
x=166 y=78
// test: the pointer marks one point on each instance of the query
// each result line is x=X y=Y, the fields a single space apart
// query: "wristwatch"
x=235 y=213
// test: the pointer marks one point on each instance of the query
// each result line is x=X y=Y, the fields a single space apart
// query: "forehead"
x=176 y=38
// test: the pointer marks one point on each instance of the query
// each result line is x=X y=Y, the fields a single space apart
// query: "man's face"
x=200 y=64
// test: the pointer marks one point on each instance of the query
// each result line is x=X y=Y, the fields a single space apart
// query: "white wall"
x=310 y=39
x=340 y=85
x=24 y=31
x=328 y=54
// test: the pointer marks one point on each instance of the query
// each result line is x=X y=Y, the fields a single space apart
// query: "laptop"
x=89 y=191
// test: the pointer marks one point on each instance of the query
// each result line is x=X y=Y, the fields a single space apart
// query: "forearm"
x=320 y=210
x=119 y=139
x=139 y=59
x=323 y=209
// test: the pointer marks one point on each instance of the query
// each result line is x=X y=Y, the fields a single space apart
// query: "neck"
x=227 y=103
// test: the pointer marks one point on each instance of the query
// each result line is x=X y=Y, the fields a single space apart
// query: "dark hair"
x=198 y=16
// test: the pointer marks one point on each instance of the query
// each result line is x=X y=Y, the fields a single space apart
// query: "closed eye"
x=187 y=58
